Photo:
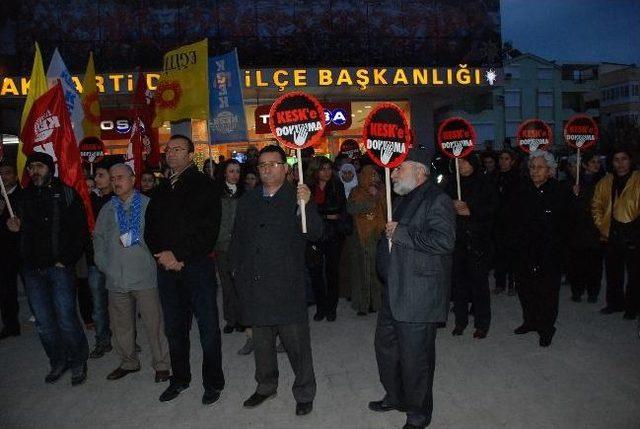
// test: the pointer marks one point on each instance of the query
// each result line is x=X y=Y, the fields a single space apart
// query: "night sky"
x=574 y=30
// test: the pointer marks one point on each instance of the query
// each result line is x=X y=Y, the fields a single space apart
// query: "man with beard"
x=417 y=275
x=53 y=232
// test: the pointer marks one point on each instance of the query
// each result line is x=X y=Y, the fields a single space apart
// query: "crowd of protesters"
x=158 y=254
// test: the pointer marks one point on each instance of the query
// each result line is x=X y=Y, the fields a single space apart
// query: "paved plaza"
x=588 y=378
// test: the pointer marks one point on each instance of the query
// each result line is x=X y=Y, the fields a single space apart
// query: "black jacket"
x=542 y=228
x=53 y=225
x=417 y=272
x=267 y=256
x=508 y=183
x=474 y=232
x=584 y=233
x=9 y=241
x=335 y=203
x=185 y=218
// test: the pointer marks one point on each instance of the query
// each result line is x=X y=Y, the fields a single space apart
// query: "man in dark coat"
x=182 y=223
x=267 y=261
x=475 y=214
x=417 y=275
x=508 y=182
x=541 y=233
x=10 y=260
x=53 y=230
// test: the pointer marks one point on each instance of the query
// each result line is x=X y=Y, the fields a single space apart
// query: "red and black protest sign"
x=386 y=135
x=456 y=137
x=297 y=120
x=581 y=132
x=91 y=149
x=534 y=134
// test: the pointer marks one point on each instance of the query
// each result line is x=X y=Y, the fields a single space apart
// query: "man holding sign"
x=267 y=263
x=417 y=277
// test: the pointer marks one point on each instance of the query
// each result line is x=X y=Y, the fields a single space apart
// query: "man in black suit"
x=417 y=277
x=267 y=260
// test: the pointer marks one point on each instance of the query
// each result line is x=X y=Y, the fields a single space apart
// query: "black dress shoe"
x=331 y=317
x=172 y=392
x=361 y=313
x=458 y=330
x=210 y=396
x=410 y=426
x=480 y=333
x=100 y=350
x=318 y=316
x=118 y=373
x=383 y=406
x=227 y=329
x=610 y=310
x=629 y=315
x=79 y=375
x=240 y=328
x=6 y=333
x=55 y=373
x=523 y=329
x=546 y=337
x=303 y=408
x=257 y=399
x=162 y=376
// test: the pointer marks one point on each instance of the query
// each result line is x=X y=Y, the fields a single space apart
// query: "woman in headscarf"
x=348 y=177
x=367 y=205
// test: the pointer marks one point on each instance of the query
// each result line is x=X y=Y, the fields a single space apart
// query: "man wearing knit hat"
x=417 y=274
x=53 y=230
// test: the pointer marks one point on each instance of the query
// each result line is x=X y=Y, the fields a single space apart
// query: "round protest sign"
x=456 y=137
x=581 y=132
x=297 y=120
x=386 y=135
x=534 y=134
x=91 y=149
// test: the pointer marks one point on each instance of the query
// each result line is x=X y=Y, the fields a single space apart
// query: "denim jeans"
x=192 y=291
x=100 y=298
x=52 y=297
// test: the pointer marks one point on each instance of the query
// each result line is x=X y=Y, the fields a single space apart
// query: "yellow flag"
x=90 y=102
x=37 y=87
x=183 y=88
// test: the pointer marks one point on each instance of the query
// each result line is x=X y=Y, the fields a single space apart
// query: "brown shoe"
x=118 y=373
x=162 y=376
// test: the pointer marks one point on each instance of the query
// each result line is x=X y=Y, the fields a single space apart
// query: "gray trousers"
x=406 y=357
x=122 y=312
x=297 y=343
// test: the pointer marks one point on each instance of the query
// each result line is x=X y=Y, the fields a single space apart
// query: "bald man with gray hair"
x=130 y=269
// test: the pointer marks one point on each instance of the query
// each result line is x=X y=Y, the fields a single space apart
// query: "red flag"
x=135 y=149
x=48 y=129
x=143 y=105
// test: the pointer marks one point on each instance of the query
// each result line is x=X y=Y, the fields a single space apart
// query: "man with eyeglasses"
x=267 y=262
x=182 y=223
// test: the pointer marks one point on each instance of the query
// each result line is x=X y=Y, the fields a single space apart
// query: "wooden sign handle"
x=303 y=214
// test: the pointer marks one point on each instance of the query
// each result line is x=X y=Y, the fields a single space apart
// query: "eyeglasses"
x=271 y=164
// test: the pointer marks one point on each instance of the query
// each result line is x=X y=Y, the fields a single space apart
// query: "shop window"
x=545 y=99
x=512 y=99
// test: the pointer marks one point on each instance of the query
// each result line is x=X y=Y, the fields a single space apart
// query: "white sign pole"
x=458 y=179
x=387 y=181
x=303 y=214
x=578 y=168
x=6 y=198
